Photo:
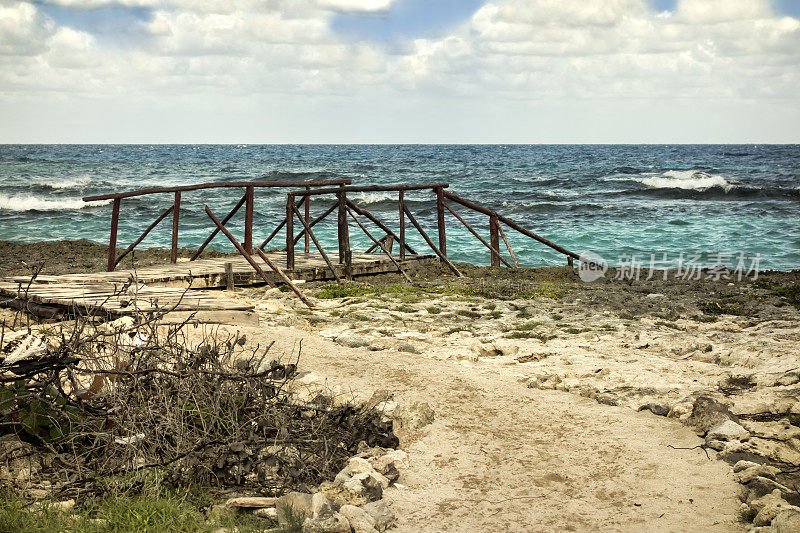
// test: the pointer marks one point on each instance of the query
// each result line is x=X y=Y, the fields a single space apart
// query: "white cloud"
x=510 y=51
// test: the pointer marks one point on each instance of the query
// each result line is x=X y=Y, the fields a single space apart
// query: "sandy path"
x=502 y=457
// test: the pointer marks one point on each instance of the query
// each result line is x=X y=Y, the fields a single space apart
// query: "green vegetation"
x=722 y=306
x=433 y=310
x=791 y=293
x=467 y=313
x=528 y=326
x=405 y=309
x=152 y=509
x=556 y=316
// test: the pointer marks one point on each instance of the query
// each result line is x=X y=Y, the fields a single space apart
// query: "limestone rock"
x=707 y=413
x=269 y=513
x=353 y=341
x=407 y=347
x=761 y=486
x=300 y=503
x=743 y=465
x=381 y=514
x=367 y=484
x=545 y=382
x=19 y=462
x=748 y=474
x=415 y=415
x=320 y=506
x=786 y=521
x=768 y=507
x=335 y=523
x=656 y=408
x=727 y=431
x=359 y=519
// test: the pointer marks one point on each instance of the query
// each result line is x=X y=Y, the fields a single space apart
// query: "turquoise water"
x=613 y=200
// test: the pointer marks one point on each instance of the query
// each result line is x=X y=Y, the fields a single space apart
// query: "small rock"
x=415 y=415
x=299 y=502
x=376 y=347
x=62 y=506
x=353 y=341
x=786 y=521
x=407 y=347
x=726 y=431
x=708 y=412
x=269 y=513
x=753 y=472
x=656 y=408
x=768 y=507
x=606 y=399
x=545 y=382
x=381 y=514
x=761 y=486
x=360 y=520
x=714 y=444
x=743 y=465
x=336 y=523
x=368 y=484
x=320 y=506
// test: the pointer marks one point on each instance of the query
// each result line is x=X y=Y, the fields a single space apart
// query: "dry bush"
x=133 y=396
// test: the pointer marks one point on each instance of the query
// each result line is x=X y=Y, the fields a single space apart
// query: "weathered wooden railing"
x=348 y=209
x=248 y=200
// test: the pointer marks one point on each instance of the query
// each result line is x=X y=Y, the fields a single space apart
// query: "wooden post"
x=494 y=239
x=440 y=220
x=248 y=219
x=307 y=241
x=289 y=232
x=173 y=256
x=569 y=261
x=402 y=204
x=345 y=256
x=229 y=276
x=112 y=240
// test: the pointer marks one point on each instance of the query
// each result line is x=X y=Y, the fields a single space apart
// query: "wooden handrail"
x=371 y=188
x=217 y=185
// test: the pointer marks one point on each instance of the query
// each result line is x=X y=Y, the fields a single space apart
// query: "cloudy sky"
x=247 y=71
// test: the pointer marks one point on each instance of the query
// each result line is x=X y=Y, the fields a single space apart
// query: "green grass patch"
x=334 y=291
x=433 y=310
x=528 y=326
x=405 y=309
x=556 y=316
x=468 y=313
x=791 y=293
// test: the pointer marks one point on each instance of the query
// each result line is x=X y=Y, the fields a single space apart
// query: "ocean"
x=720 y=204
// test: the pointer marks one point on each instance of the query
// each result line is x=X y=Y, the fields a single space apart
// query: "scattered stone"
x=62 y=506
x=743 y=465
x=786 y=521
x=760 y=486
x=381 y=514
x=19 y=462
x=727 y=431
x=353 y=341
x=360 y=520
x=656 y=408
x=606 y=399
x=367 y=484
x=339 y=495
x=708 y=412
x=335 y=523
x=545 y=382
x=255 y=502
x=376 y=347
x=768 y=507
x=753 y=472
x=299 y=502
x=415 y=415
x=407 y=347
x=320 y=506
x=269 y=513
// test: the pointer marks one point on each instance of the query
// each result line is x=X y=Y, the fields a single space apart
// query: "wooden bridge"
x=161 y=286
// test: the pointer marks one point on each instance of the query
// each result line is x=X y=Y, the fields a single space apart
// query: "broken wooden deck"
x=161 y=287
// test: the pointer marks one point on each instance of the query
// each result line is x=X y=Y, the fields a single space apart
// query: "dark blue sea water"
x=613 y=200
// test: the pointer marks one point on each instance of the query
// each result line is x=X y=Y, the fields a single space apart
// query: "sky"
x=400 y=71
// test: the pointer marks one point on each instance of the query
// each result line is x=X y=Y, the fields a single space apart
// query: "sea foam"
x=33 y=203
x=682 y=179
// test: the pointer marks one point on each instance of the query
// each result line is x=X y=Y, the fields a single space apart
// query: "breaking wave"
x=74 y=183
x=695 y=180
x=33 y=203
